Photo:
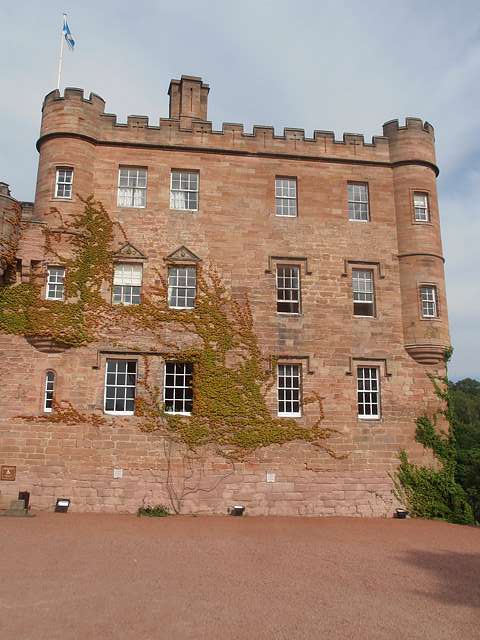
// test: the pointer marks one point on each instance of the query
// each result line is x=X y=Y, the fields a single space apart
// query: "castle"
x=203 y=318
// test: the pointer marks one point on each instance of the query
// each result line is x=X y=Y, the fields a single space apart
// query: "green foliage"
x=158 y=511
x=434 y=492
x=231 y=378
x=465 y=402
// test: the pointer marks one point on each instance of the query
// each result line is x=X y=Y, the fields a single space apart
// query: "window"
x=182 y=284
x=288 y=389
x=184 y=190
x=127 y=283
x=288 y=289
x=363 y=296
x=368 y=395
x=55 y=283
x=178 y=387
x=63 y=183
x=358 y=201
x=132 y=187
x=420 y=203
x=49 y=388
x=286 y=197
x=428 y=297
x=120 y=383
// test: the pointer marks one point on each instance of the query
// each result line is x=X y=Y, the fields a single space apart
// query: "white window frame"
x=431 y=298
x=365 y=295
x=175 y=287
x=64 y=183
x=127 y=287
x=421 y=206
x=286 y=205
x=184 y=399
x=133 y=176
x=355 y=199
x=177 y=190
x=116 y=412
x=287 y=372
x=294 y=291
x=368 y=384
x=55 y=282
x=49 y=390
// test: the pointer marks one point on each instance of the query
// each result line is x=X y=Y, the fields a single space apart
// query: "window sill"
x=367 y=317
x=289 y=415
x=57 y=198
x=119 y=413
x=126 y=206
x=181 y=308
x=423 y=223
x=428 y=319
x=375 y=419
x=362 y=221
x=178 y=413
x=281 y=215
x=55 y=299
x=289 y=315
x=185 y=210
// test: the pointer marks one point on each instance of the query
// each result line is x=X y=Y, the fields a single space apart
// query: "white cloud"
x=340 y=65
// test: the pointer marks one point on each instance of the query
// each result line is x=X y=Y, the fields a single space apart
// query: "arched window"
x=49 y=390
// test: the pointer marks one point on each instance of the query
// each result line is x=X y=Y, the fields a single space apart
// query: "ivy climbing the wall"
x=433 y=492
x=231 y=376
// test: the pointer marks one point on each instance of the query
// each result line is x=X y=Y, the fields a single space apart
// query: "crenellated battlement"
x=188 y=126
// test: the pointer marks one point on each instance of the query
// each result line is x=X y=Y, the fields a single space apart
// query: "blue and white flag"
x=66 y=32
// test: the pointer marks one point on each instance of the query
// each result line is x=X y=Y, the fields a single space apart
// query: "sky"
x=332 y=65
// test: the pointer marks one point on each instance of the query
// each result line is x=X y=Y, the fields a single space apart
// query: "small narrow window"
x=358 y=201
x=64 y=183
x=288 y=289
x=132 y=187
x=420 y=202
x=368 y=392
x=182 y=287
x=55 y=283
x=178 y=387
x=429 y=301
x=288 y=390
x=184 y=190
x=363 y=294
x=49 y=391
x=120 y=384
x=127 y=283
x=286 y=197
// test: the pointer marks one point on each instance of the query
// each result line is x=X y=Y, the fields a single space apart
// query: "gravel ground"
x=75 y=576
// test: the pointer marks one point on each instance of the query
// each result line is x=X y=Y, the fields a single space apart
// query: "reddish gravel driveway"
x=74 y=576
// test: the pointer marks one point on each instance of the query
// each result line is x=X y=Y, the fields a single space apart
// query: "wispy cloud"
x=345 y=66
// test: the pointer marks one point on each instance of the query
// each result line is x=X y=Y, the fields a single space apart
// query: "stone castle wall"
x=236 y=230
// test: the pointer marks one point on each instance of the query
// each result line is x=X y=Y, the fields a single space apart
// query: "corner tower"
x=412 y=154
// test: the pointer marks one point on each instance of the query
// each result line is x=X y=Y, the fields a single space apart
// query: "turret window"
x=358 y=209
x=429 y=301
x=420 y=203
x=132 y=187
x=55 y=283
x=64 y=183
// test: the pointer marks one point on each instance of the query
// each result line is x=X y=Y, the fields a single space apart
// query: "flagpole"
x=60 y=61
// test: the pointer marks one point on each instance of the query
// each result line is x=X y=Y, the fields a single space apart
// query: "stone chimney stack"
x=188 y=100
x=4 y=189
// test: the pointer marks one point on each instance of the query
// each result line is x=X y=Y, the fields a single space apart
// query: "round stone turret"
x=412 y=153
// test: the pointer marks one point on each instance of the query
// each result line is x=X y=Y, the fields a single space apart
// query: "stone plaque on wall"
x=8 y=472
